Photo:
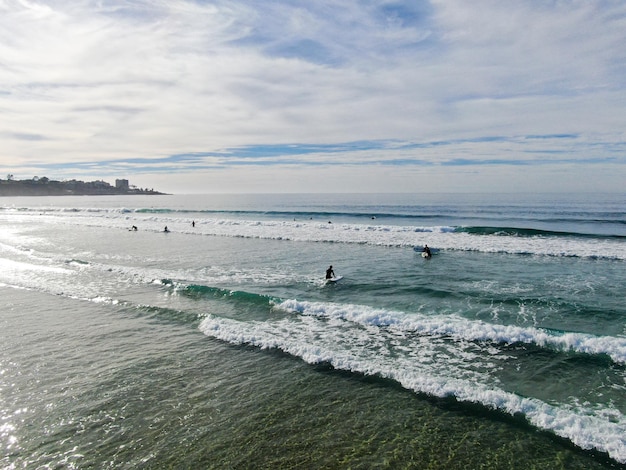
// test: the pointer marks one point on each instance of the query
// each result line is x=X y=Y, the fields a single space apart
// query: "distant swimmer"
x=134 y=228
x=426 y=252
x=330 y=273
x=166 y=229
x=193 y=223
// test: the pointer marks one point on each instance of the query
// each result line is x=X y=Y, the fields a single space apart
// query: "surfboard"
x=433 y=251
x=334 y=279
x=426 y=255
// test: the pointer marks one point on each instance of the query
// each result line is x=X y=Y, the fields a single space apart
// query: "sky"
x=272 y=96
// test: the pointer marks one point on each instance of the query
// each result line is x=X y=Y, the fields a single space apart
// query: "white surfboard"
x=334 y=279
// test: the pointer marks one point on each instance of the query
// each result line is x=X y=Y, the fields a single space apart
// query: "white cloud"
x=88 y=81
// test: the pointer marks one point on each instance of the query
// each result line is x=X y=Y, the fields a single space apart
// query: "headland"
x=47 y=187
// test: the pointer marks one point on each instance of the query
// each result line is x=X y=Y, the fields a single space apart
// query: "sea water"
x=218 y=344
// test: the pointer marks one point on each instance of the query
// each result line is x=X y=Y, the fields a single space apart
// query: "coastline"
x=47 y=187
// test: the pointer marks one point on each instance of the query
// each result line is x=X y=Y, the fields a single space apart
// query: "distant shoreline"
x=47 y=187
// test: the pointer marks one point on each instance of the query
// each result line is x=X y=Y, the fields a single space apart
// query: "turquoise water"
x=219 y=345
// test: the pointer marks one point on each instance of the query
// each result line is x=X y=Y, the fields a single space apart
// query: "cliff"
x=47 y=187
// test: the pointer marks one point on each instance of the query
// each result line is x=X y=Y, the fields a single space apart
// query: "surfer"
x=427 y=251
x=330 y=273
x=134 y=228
x=166 y=229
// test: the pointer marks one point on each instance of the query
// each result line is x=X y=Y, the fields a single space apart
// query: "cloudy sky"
x=316 y=96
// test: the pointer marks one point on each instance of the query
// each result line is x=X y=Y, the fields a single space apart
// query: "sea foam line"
x=443 y=237
x=461 y=328
x=587 y=430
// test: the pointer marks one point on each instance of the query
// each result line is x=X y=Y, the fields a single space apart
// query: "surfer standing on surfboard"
x=330 y=273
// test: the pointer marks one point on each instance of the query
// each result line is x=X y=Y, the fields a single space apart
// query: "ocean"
x=219 y=344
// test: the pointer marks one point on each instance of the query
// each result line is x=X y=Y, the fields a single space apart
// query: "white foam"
x=354 y=349
x=11 y=267
x=461 y=328
x=442 y=237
